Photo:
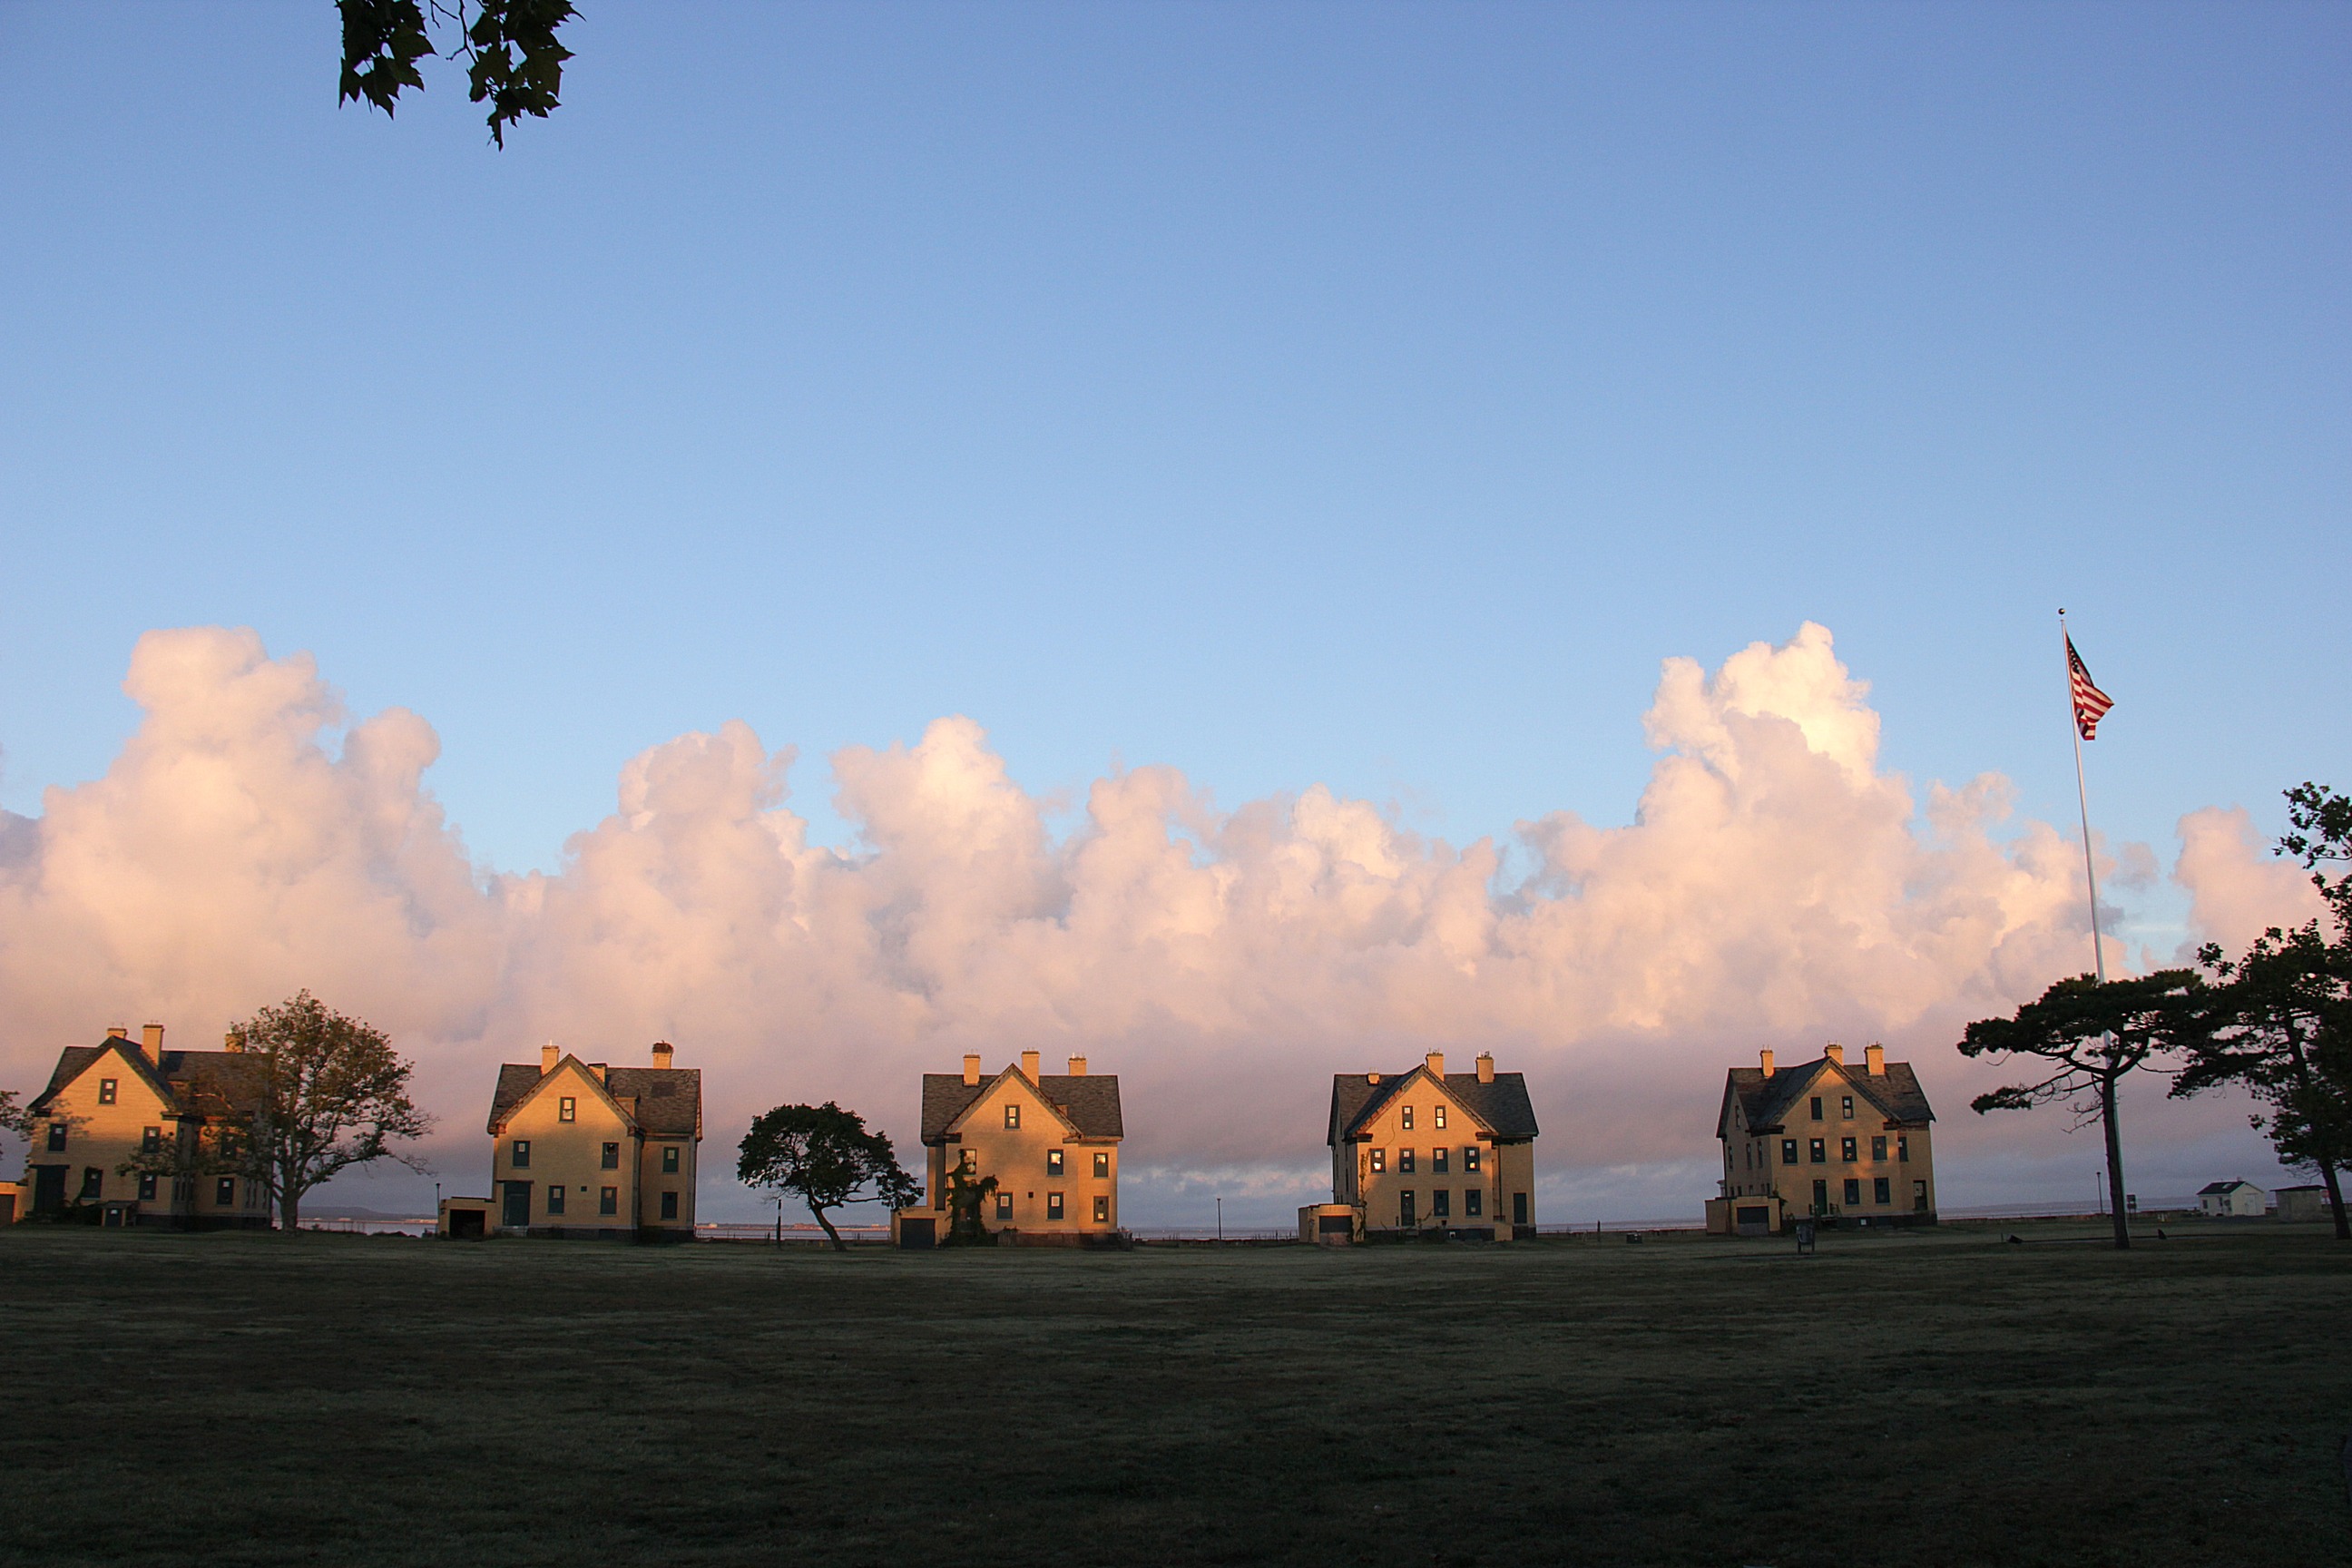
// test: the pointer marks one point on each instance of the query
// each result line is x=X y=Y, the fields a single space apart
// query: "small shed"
x=466 y=1219
x=1327 y=1225
x=2232 y=1200
x=2302 y=1204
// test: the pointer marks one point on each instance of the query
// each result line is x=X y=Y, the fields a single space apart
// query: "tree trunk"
x=2335 y=1198
x=2115 y=1200
x=838 y=1246
x=289 y=1211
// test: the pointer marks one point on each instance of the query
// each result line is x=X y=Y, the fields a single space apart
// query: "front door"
x=517 y=1214
x=1404 y=1209
x=1919 y=1197
x=48 y=1189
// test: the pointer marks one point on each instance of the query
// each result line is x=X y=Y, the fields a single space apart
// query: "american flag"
x=2091 y=704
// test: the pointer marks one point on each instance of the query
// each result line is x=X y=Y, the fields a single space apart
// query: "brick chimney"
x=1486 y=1066
x=1031 y=1063
x=1077 y=1067
x=1436 y=1063
x=665 y=1054
x=970 y=1067
x=1835 y=1052
x=151 y=1042
x=118 y=1031
x=548 y=1057
x=1766 y=1057
x=1873 y=1059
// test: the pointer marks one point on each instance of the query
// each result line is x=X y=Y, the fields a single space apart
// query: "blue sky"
x=1370 y=396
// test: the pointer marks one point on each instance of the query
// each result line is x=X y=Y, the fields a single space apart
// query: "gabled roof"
x=1895 y=1093
x=1089 y=1101
x=1501 y=1108
x=2211 y=1188
x=668 y=1100
x=192 y=1083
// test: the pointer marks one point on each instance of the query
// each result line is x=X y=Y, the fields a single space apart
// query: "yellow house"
x=1050 y=1139
x=1432 y=1152
x=1844 y=1147
x=107 y=1103
x=587 y=1150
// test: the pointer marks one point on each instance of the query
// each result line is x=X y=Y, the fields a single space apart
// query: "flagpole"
x=2081 y=797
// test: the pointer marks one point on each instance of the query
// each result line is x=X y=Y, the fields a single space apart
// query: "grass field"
x=1896 y=1400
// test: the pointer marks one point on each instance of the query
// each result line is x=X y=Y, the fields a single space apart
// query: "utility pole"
x=1220 y=1219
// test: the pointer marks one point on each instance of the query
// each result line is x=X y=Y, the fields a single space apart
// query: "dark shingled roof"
x=1090 y=1099
x=196 y=1083
x=669 y=1099
x=1766 y=1102
x=1502 y=1105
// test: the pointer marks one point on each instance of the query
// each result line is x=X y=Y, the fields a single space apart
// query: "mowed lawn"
x=1944 y=1399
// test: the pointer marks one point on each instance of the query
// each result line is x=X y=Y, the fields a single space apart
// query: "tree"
x=512 y=55
x=966 y=1192
x=318 y=1093
x=824 y=1155
x=2286 y=1010
x=2094 y=1033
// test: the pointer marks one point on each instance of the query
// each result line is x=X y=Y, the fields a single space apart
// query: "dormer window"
x=1012 y=1118
x=106 y=1089
x=567 y=1109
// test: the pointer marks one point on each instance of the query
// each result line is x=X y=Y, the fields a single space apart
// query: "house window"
x=520 y=1157
x=1404 y=1161
x=1437 y=1117
x=150 y=1140
x=1817 y=1108
x=1788 y=1151
x=968 y=1160
x=608 y=1200
x=1012 y=1118
x=669 y=1206
x=1102 y=1209
x=1441 y=1203
x=1437 y=1158
x=1846 y=1104
x=56 y=1137
x=1878 y=1149
x=1881 y=1191
x=567 y=1109
x=555 y=1197
x=1052 y=1161
x=670 y=1159
x=1853 y=1192
x=1903 y=1148
x=1846 y=1151
x=1005 y=1205
x=225 y=1192
x=1379 y=1157
x=612 y=1159
x=1407 y=1123
x=1470 y=1159
x=93 y=1183
x=1473 y=1203
x=1052 y=1206
x=1102 y=1165
x=1819 y=1148
x=147 y=1185
x=106 y=1090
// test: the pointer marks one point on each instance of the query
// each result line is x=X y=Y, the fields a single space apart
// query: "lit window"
x=567 y=1109
x=225 y=1192
x=150 y=1140
x=1473 y=1203
x=1846 y=1104
x=1407 y=1123
x=1052 y=1161
x=1878 y=1149
x=1404 y=1161
x=968 y=1160
x=106 y=1088
x=1012 y=1118
x=555 y=1197
x=93 y=1183
x=608 y=1200
x=1819 y=1149
x=1853 y=1192
x=56 y=1137
x=1881 y=1191
x=1102 y=1209
x=1437 y=1160
x=1470 y=1159
x=1437 y=1117
x=670 y=1159
x=1379 y=1157
x=1441 y=1205
x=147 y=1185
x=1102 y=1164
x=1052 y=1206
x=1846 y=1151
x=1005 y=1205
x=612 y=1158
x=669 y=1206
x=1817 y=1108
x=1788 y=1151
x=520 y=1160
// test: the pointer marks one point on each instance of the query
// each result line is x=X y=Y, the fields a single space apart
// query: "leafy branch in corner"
x=514 y=61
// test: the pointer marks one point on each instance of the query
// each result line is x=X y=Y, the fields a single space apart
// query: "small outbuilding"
x=2232 y=1200
x=2301 y=1203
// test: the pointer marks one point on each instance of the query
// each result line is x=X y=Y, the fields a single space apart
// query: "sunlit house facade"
x=1429 y=1152
x=1050 y=1139
x=584 y=1149
x=116 y=1103
x=1823 y=1140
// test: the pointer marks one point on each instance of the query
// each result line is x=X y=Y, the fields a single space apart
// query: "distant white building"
x=2232 y=1200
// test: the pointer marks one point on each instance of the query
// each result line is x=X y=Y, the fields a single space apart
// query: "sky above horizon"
x=1369 y=401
